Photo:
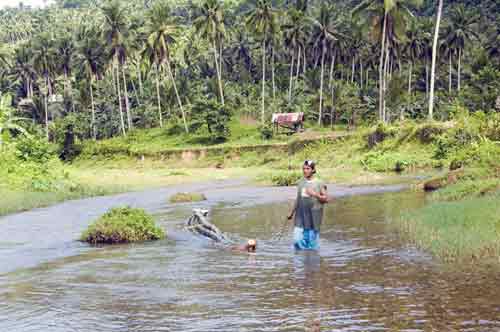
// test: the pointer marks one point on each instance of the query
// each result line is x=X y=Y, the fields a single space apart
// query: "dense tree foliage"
x=115 y=65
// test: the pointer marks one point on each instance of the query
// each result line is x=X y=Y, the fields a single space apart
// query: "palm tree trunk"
x=360 y=73
x=135 y=92
x=410 y=72
x=426 y=78
x=434 y=55
x=116 y=75
x=367 y=77
x=332 y=113
x=177 y=96
x=28 y=88
x=94 y=132
x=272 y=73
x=381 y=70
x=459 y=74
x=384 y=81
x=323 y=51
x=291 y=77
x=219 y=77
x=449 y=76
x=330 y=77
x=158 y=96
x=139 y=76
x=352 y=69
x=299 y=54
x=263 y=78
x=46 y=109
x=304 y=62
x=221 y=59
x=125 y=95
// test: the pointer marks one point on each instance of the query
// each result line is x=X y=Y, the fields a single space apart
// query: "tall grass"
x=463 y=231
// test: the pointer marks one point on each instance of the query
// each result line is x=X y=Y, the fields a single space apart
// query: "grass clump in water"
x=187 y=197
x=123 y=225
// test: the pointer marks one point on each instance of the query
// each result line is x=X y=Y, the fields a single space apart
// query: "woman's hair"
x=312 y=164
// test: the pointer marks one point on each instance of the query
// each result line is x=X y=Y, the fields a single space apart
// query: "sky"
x=15 y=3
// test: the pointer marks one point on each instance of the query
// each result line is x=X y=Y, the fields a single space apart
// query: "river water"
x=362 y=279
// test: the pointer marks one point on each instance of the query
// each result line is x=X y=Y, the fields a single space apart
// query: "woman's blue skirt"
x=305 y=239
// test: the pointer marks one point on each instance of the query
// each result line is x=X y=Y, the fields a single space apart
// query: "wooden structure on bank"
x=293 y=122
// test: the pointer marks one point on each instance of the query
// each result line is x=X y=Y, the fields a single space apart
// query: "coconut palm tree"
x=296 y=33
x=493 y=43
x=325 y=32
x=90 y=55
x=23 y=69
x=65 y=50
x=461 y=33
x=162 y=29
x=43 y=61
x=413 y=48
x=262 y=20
x=448 y=51
x=434 y=55
x=210 y=25
x=114 y=30
x=388 y=21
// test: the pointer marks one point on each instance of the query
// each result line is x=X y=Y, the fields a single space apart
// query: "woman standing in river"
x=308 y=208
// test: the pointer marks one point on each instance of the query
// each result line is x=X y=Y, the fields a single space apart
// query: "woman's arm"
x=322 y=196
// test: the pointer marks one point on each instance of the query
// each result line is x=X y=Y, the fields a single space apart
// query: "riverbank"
x=377 y=155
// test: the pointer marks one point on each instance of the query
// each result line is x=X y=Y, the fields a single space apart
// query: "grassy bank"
x=23 y=199
x=461 y=222
x=463 y=231
x=32 y=176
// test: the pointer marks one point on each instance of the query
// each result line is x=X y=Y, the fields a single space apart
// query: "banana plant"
x=7 y=120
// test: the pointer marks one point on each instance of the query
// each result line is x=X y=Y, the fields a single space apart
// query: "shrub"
x=378 y=135
x=187 y=197
x=34 y=149
x=123 y=225
x=284 y=179
x=215 y=116
x=429 y=132
x=266 y=132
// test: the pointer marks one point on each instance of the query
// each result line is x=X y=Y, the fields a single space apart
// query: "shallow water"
x=362 y=279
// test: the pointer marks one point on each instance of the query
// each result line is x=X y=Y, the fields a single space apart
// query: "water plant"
x=123 y=225
x=185 y=197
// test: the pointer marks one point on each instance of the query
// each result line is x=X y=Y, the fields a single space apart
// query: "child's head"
x=251 y=245
x=309 y=168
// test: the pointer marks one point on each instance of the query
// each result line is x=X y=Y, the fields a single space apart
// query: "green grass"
x=187 y=197
x=22 y=200
x=154 y=141
x=465 y=231
x=467 y=188
x=123 y=225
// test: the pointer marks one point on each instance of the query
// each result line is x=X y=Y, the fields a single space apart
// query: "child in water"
x=250 y=246
x=308 y=209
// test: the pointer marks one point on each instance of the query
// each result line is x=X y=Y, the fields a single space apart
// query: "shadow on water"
x=362 y=279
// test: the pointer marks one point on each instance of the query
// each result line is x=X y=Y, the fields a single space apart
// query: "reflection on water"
x=362 y=279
